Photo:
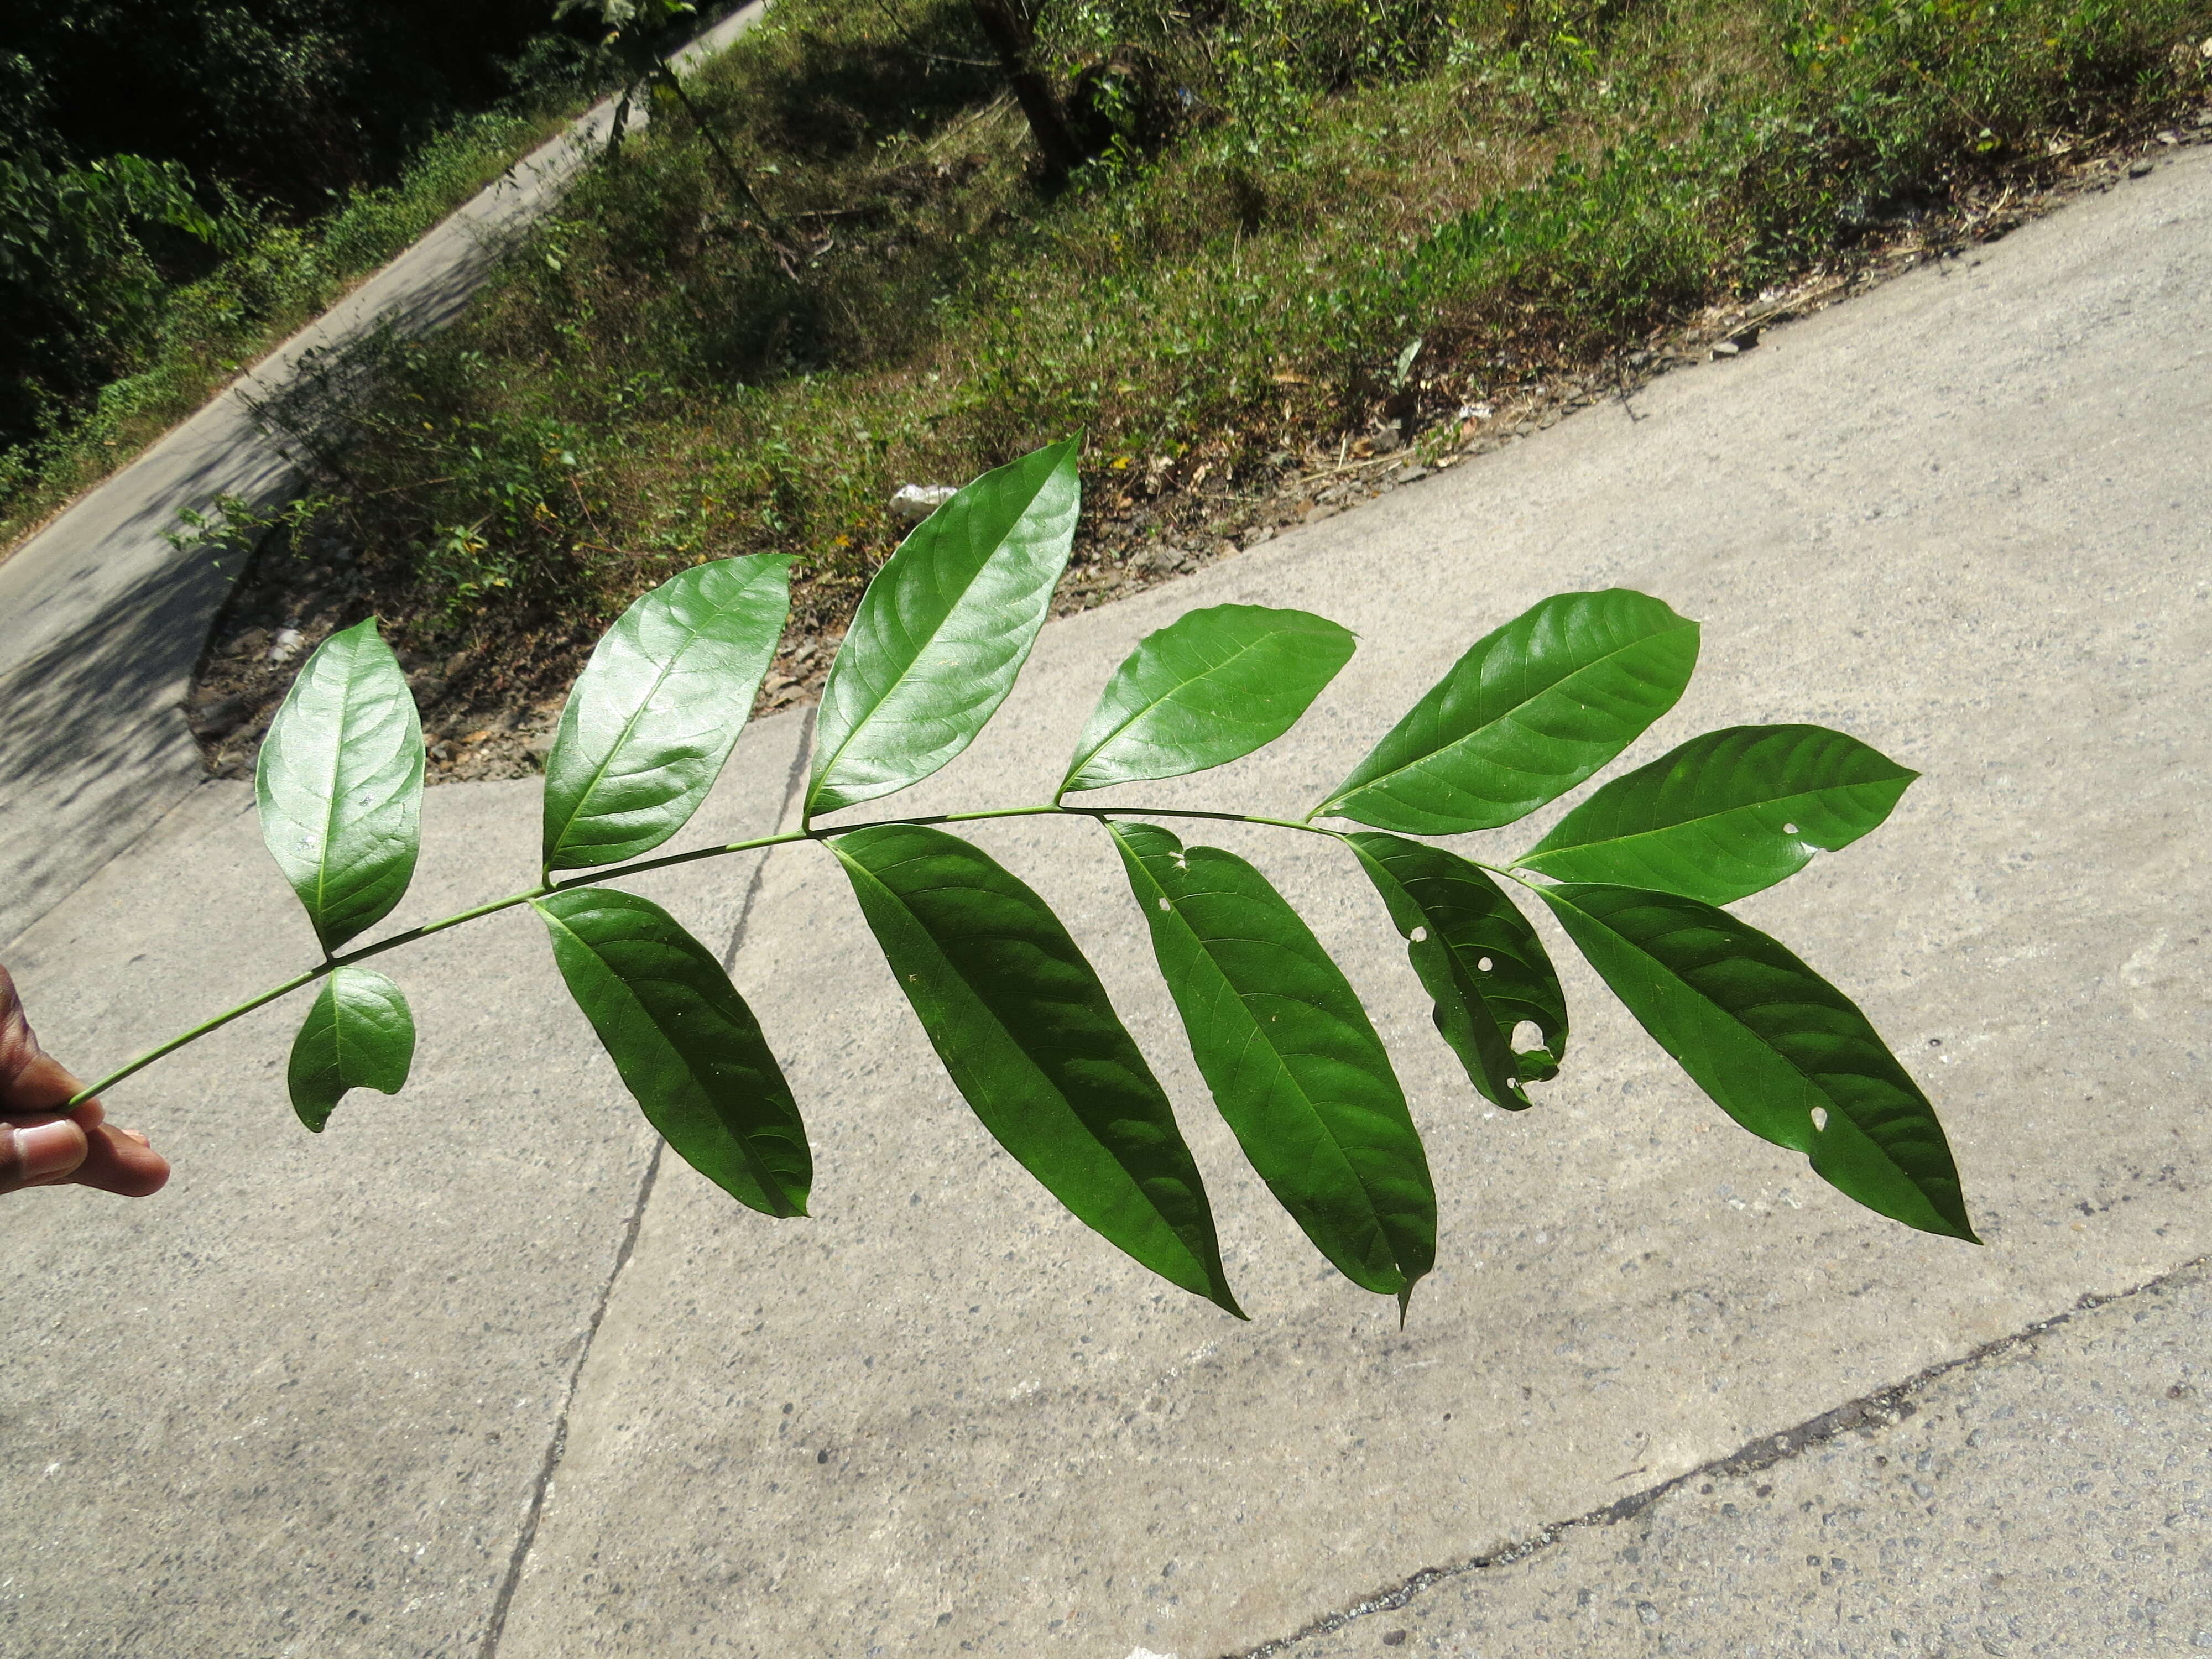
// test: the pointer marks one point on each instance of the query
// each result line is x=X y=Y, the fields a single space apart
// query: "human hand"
x=43 y=1145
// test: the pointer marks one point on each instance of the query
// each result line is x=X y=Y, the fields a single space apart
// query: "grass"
x=1321 y=221
x=212 y=329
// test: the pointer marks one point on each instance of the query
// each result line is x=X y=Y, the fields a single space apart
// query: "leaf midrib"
x=1257 y=1033
x=1737 y=1020
x=599 y=774
x=1533 y=859
x=767 y=1182
x=1382 y=779
x=860 y=724
x=1076 y=770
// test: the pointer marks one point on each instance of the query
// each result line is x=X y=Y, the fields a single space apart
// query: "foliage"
x=179 y=185
x=1301 y=191
x=1635 y=875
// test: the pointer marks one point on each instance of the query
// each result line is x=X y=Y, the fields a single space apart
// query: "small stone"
x=1726 y=348
x=1266 y=532
x=2140 y=167
x=1393 y=1638
x=286 y=646
x=1325 y=510
x=1412 y=474
x=912 y=503
x=1646 y=1611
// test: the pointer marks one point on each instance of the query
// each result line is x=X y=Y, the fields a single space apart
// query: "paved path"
x=102 y=619
x=472 y=1373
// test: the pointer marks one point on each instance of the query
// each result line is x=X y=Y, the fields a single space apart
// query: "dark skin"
x=43 y=1142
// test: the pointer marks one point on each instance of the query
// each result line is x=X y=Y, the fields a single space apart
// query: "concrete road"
x=102 y=618
x=474 y=1373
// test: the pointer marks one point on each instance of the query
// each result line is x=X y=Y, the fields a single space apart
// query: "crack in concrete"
x=496 y=1628
x=1885 y=1408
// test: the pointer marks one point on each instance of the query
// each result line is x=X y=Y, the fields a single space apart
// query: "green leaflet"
x=1023 y=1026
x=1529 y=712
x=359 y=1034
x=1209 y=687
x=1773 y=1043
x=340 y=784
x=1726 y=814
x=1293 y=1063
x=942 y=629
x=654 y=715
x=687 y=1046
x=1482 y=963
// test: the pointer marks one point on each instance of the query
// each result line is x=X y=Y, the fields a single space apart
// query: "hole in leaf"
x=1418 y=934
x=1789 y=829
x=1483 y=965
x=1512 y=1082
x=1820 y=1119
x=1526 y=1035
x=1165 y=905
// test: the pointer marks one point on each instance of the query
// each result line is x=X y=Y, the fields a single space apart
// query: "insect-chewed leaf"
x=942 y=629
x=1484 y=967
x=657 y=710
x=1726 y=814
x=1528 y=714
x=1023 y=1026
x=1784 y=1052
x=359 y=1034
x=1291 y=1059
x=340 y=784
x=1211 y=687
x=686 y=1043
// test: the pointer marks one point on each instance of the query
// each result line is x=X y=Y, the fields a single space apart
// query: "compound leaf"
x=1485 y=969
x=943 y=631
x=1529 y=712
x=686 y=1045
x=1211 y=687
x=1293 y=1062
x=1784 y=1052
x=1023 y=1024
x=339 y=784
x=654 y=715
x=359 y=1034
x=1726 y=814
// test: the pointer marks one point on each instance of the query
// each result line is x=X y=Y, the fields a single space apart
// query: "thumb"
x=40 y=1152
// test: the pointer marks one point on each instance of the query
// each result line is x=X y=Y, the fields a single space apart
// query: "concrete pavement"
x=102 y=618
x=467 y=1375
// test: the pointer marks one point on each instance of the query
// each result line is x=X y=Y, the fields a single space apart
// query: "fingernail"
x=48 y=1149
x=137 y=1135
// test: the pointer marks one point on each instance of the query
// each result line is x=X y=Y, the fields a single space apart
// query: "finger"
x=40 y=1152
x=41 y=1084
x=121 y=1161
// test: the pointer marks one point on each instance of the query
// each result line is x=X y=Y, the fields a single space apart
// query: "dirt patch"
x=489 y=710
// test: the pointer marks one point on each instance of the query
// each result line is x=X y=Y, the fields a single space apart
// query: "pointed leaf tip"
x=651 y=721
x=1291 y=1059
x=687 y=1046
x=1527 y=714
x=1023 y=1026
x=1210 y=688
x=943 y=631
x=1773 y=1043
x=1726 y=814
